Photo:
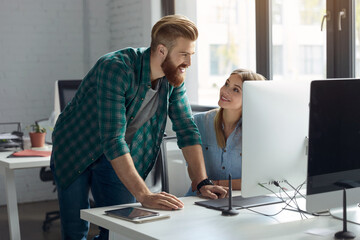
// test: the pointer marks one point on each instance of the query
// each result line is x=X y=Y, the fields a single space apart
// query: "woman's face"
x=231 y=93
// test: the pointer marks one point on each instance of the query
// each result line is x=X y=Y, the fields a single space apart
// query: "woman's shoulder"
x=205 y=116
x=205 y=123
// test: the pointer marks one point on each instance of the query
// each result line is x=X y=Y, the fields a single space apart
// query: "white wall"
x=42 y=41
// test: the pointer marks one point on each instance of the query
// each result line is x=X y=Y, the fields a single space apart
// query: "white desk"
x=195 y=222
x=9 y=165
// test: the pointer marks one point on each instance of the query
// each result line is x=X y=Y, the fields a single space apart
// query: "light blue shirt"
x=219 y=162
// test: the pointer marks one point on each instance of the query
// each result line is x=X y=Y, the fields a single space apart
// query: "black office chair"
x=46 y=175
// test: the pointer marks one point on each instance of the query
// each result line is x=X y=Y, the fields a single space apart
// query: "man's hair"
x=169 y=28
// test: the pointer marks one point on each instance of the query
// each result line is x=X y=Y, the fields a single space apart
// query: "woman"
x=221 y=133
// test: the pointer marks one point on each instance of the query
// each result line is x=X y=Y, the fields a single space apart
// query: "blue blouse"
x=219 y=162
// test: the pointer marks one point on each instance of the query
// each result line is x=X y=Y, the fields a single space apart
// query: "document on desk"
x=136 y=215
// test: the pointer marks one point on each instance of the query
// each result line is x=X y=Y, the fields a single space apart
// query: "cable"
x=262 y=185
x=294 y=199
x=297 y=190
x=291 y=199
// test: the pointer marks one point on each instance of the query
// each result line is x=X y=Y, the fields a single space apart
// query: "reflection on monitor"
x=334 y=145
x=275 y=128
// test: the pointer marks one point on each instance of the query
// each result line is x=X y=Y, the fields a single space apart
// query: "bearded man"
x=108 y=137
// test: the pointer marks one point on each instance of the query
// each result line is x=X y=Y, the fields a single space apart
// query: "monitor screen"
x=67 y=90
x=274 y=140
x=334 y=144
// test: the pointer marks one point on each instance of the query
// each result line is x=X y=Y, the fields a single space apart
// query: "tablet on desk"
x=136 y=215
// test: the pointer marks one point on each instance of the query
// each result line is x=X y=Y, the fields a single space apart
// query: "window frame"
x=340 y=48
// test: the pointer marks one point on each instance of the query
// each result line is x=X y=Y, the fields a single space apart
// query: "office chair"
x=201 y=108
x=175 y=178
x=156 y=180
x=46 y=175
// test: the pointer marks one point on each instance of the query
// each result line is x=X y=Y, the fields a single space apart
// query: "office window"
x=223 y=58
x=278 y=58
x=311 y=60
x=277 y=12
x=291 y=44
x=226 y=42
x=298 y=40
x=309 y=11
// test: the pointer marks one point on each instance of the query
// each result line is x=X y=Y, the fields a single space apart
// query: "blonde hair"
x=245 y=75
x=169 y=28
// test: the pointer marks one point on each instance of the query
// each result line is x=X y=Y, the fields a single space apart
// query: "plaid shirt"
x=95 y=121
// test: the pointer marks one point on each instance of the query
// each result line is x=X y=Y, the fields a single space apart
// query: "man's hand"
x=214 y=191
x=162 y=201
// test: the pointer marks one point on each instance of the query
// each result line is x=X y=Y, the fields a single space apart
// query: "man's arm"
x=126 y=171
x=197 y=172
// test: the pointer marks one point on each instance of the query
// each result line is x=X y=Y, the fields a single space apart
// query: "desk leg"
x=12 y=207
x=115 y=236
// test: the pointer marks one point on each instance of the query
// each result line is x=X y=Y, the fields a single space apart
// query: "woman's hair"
x=245 y=75
x=169 y=28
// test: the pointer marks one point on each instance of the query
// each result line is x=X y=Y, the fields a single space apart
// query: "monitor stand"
x=344 y=234
x=230 y=211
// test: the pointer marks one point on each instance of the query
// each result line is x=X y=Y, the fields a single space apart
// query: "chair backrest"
x=201 y=108
x=175 y=178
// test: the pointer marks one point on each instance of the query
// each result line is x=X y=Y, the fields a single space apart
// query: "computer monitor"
x=274 y=135
x=64 y=91
x=334 y=146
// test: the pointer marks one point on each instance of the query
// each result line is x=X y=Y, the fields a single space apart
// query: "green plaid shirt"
x=95 y=121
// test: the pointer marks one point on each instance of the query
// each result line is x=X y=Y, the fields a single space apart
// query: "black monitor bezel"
x=327 y=181
x=64 y=85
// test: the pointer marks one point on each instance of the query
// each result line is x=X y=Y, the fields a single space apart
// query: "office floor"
x=31 y=217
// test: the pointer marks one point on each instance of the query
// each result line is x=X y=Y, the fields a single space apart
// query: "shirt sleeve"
x=112 y=82
x=182 y=120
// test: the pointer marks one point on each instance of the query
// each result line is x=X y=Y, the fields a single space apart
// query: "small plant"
x=36 y=128
x=37 y=135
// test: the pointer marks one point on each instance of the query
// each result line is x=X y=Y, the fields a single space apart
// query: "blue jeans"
x=106 y=188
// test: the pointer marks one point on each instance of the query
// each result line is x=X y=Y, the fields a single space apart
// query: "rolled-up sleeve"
x=112 y=82
x=182 y=120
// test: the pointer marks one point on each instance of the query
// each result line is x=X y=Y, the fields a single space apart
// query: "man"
x=108 y=137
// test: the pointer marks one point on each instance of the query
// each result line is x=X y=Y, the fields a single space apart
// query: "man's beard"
x=172 y=72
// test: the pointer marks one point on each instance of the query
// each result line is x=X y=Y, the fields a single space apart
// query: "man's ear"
x=162 y=51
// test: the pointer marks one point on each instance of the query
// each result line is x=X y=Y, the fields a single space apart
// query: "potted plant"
x=37 y=135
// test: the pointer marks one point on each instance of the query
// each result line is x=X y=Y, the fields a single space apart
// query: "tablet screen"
x=131 y=213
